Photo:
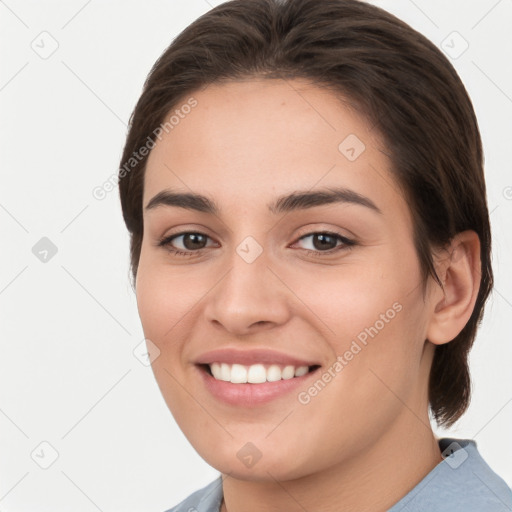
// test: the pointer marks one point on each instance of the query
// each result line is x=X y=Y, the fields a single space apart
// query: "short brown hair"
x=399 y=79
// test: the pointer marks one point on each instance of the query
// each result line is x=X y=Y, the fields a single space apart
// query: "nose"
x=249 y=297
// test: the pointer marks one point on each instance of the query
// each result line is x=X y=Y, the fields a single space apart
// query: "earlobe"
x=460 y=272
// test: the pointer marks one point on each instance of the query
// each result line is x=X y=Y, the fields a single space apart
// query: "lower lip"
x=247 y=395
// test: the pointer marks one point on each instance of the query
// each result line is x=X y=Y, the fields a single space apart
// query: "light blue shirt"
x=462 y=482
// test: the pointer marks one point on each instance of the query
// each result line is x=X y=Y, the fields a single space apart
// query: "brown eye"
x=325 y=242
x=187 y=241
x=193 y=241
x=322 y=241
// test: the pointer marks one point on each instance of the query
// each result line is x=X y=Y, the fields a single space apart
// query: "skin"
x=365 y=439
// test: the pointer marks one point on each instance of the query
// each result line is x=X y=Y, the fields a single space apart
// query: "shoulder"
x=463 y=481
x=207 y=499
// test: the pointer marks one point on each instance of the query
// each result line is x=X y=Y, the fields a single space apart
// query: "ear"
x=459 y=269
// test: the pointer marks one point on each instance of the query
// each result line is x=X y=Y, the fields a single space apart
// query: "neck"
x=373 y=481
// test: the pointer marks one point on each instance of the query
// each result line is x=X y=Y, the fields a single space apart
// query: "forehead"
x=244 y=141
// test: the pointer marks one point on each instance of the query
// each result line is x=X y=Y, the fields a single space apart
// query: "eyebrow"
x=298 y=200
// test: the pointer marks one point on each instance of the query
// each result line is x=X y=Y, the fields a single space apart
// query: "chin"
x=244 y=461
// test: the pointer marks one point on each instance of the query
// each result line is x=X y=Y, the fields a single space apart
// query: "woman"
x=310 y=245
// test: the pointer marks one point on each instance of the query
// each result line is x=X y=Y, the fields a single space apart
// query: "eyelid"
x=185 y=229
x=322 y=228
x=345 y=241
x=166 y=240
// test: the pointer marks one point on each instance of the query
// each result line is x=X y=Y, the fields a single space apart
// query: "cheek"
x=370 y=314
x=349 y=300
x=163 y=299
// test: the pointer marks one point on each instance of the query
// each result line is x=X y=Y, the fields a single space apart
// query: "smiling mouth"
x=255 y=373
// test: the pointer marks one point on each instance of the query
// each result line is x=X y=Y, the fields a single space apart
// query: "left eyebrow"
x=299 y=200
x=309 y=199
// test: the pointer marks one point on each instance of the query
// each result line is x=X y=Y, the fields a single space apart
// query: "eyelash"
x=347 y=244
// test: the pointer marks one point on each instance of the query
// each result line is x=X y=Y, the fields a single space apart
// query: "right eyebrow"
x=188 y=201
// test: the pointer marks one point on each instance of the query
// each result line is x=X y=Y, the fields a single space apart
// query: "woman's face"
x=270 y=288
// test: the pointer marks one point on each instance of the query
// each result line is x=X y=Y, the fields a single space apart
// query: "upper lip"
x=249 y=357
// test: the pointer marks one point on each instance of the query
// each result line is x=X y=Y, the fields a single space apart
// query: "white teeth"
x=216 y=372
x=225 y=372
x=288 y=372
x=238 y=374
x=256 y=373
x=273 y=373
x=301 y=370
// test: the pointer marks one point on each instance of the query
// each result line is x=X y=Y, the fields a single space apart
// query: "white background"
x=68 y=375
